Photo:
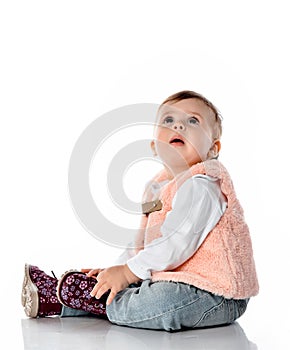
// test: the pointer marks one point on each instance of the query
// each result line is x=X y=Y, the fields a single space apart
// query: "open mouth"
x=177 y=141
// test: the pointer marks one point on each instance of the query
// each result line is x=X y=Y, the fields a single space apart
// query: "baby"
x=193 y=263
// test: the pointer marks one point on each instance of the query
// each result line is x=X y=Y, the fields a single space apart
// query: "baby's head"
x=189 y=125
x=214 y=117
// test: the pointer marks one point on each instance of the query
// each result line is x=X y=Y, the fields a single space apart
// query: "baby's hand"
x=92 y=272
x=114 y=278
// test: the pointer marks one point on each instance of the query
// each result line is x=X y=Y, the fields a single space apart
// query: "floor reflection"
x=91 y=333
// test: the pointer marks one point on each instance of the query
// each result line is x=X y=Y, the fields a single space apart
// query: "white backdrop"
x=65 y=63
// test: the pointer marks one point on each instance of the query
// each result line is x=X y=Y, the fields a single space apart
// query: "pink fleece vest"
x=224 y=263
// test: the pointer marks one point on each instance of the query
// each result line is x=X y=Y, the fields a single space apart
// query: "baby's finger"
x=96 y=288
x=111 y=297
x=101 y=290
x=93 y=272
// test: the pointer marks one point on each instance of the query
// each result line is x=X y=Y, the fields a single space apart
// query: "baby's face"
x=184 y=132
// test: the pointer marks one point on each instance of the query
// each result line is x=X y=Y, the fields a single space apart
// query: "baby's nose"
x=178 y=126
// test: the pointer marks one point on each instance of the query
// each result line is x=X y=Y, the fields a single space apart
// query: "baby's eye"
x=193 y=121
x=168 y=120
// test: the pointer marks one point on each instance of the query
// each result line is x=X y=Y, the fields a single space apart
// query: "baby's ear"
x=152 y=144
x=214 y=150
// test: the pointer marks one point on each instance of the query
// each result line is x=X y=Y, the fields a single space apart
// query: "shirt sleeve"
x=128 y=253
x=196 y=208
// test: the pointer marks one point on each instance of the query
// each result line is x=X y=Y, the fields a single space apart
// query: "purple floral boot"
x=39 y=293
x=73 y=290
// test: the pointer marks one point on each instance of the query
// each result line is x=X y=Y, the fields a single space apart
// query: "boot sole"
x=29 y=296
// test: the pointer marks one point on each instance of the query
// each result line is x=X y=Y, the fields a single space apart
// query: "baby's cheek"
x=161 y=133
x=202 y=141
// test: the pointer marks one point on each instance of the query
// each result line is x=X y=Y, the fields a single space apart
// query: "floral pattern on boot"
x=39 y=297
x=74 y=289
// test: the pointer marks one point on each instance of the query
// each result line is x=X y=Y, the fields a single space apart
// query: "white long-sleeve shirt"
x=196 y=208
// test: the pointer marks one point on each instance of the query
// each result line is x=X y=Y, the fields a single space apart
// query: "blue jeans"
x=169 y=306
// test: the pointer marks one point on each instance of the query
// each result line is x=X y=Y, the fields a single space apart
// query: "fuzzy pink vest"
x=224 y=263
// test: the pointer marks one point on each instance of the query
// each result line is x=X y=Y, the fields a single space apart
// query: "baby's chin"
x=176 y=166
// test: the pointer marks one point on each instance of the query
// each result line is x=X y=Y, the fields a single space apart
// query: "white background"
x=64 y=63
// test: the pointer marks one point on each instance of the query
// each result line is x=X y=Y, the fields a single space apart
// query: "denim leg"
x=171 y=306
x=69 y=312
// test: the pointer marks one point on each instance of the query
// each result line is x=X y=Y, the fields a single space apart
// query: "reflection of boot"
x=39 y=293
x=73 y=290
